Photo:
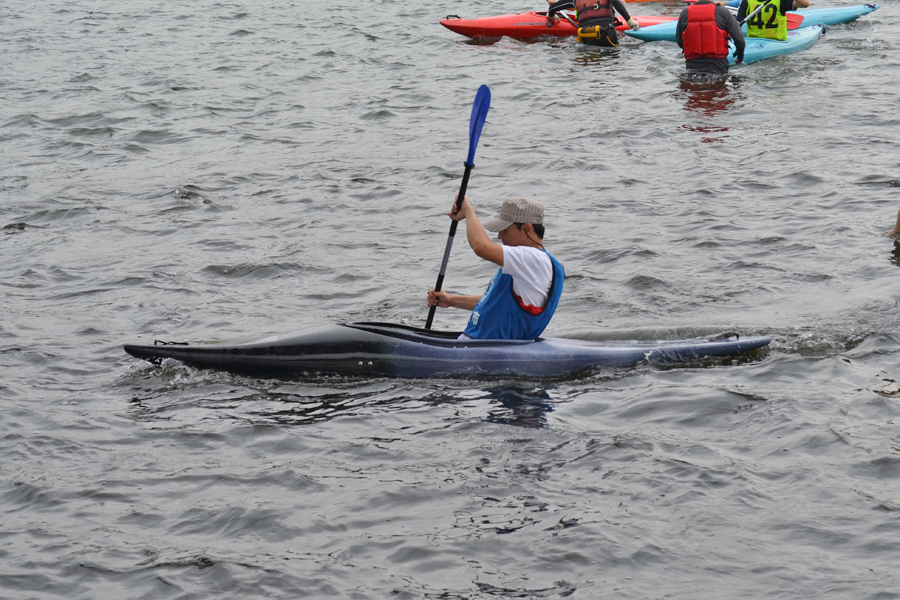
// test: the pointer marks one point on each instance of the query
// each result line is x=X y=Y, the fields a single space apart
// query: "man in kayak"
x=702 y=32
x=522 y=297
x=771 y=21
x=596 y=19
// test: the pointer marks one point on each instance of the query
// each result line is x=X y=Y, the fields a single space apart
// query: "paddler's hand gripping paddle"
x=476 y=122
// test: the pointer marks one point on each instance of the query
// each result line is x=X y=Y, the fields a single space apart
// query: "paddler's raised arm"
x=478 y=238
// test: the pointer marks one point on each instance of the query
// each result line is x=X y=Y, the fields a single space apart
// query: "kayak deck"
x=757 y=49
x=388 y=350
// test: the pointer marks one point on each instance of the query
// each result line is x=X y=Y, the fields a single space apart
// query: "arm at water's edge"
x=620 y=8
x=896 y=228
x=680 y=27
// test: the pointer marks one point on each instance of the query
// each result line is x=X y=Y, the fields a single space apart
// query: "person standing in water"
x=596 y=19
x=702 y=32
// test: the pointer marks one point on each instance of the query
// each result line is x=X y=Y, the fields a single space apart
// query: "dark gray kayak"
x=386 y=350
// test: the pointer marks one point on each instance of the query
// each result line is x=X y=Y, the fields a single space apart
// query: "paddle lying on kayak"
x=801 y=19
x=531 y=25
x=387 y=350
x=476 y=122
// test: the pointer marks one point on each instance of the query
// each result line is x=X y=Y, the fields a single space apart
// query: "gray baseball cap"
x=517 y=210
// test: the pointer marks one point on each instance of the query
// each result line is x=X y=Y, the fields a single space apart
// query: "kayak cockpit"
x=430 y=336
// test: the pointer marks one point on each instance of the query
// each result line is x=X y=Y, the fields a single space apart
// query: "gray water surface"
x=215 y=171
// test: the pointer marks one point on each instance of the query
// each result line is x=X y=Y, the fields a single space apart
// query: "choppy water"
x=215 y=170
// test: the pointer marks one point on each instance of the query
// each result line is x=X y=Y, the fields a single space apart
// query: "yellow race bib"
x=769 y=23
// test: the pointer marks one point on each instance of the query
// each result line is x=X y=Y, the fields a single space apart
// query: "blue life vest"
x=499 y=315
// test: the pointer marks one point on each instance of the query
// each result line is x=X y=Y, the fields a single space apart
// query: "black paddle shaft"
x=453 y=225
x=753 y=14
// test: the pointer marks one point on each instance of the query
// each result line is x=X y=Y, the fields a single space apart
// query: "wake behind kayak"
x=388 y=350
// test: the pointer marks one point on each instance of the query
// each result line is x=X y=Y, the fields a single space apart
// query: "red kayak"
x=530 y=25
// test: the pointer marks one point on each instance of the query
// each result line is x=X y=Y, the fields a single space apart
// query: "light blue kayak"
x=665 y=32
x=757 y=49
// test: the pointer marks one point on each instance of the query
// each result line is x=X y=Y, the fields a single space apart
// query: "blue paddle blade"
x=476 y=122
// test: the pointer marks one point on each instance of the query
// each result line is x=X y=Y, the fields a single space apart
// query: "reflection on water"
x=706 y=94
x=588 y=55
x=174 y=391
x=488 y=41
x=520 y=407
x=707 y=129
x=895 y=254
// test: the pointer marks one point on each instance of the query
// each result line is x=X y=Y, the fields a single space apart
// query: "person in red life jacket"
x=702 y=32
x=520 y=300
x=596 y=19
x=771 y=21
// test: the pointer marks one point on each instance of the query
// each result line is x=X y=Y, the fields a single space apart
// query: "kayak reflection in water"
x=596 y=19
x=520 y=300
x=520 y=407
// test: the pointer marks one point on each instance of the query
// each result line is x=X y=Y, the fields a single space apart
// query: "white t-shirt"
x=532 y=273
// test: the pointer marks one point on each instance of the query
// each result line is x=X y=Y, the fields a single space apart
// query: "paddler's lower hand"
x=464 y=208
x=440 y=299
x=633 y=24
